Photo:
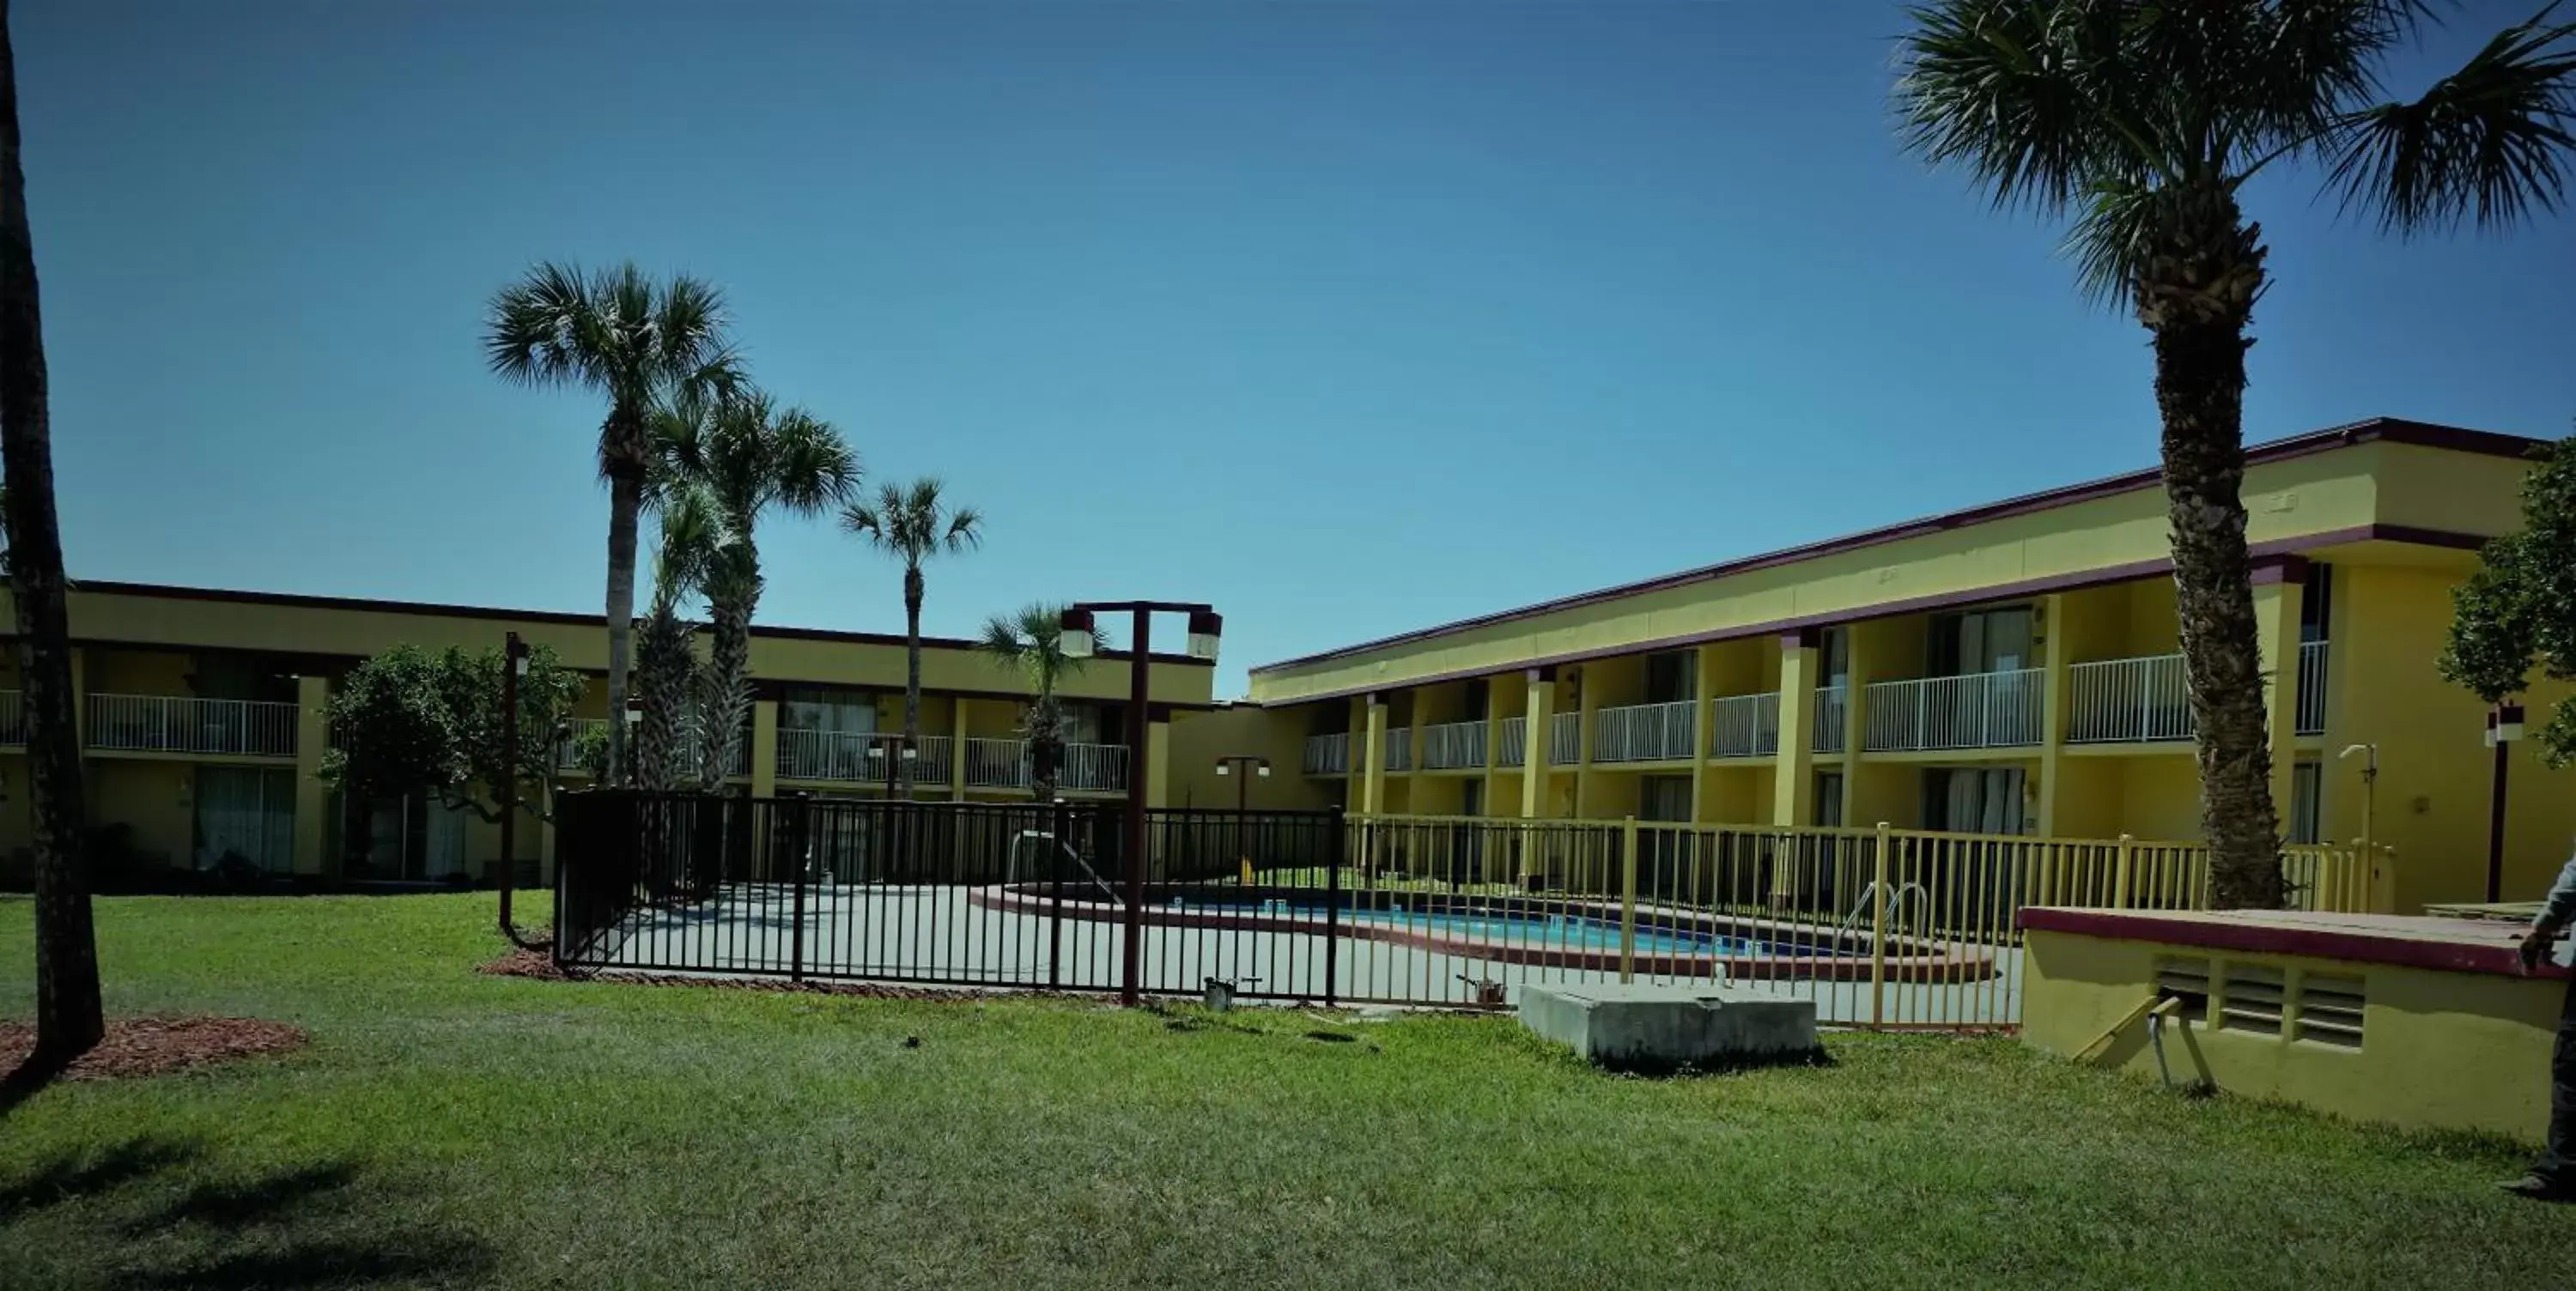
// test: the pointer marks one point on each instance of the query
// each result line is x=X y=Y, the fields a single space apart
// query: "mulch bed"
x=537 y=962
x=149 y=1046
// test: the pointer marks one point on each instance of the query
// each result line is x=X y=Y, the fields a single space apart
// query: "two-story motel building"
x=2008 y=669
x=202 y=718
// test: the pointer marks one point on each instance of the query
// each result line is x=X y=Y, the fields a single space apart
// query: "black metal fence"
x=968 y=894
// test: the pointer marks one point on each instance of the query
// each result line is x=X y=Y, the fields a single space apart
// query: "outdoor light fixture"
x=1076 y=636
x=2504 y=724
x=1205 y=627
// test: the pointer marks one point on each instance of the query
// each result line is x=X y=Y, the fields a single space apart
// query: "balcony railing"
x=1449 y=746
x=13 y=717
x=1084 y=768
x=1833 y=713
x=1644 y=732
x=1511 y=742
x=1980 y=710
x=1328 y=754
x=859 y=756
x=568 y=755
x=176 y=724
x=1399 y=748
x=2128 y=701
x=1564 y=739
x=1744 y=726
x=2312 y=689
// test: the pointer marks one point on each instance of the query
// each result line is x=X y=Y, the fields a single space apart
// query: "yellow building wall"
x=1199 y=739
x=2439 y=1050
x=2159 y=797
x=156 y=799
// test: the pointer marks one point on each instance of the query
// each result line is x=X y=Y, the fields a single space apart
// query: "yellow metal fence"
x=1884 y=927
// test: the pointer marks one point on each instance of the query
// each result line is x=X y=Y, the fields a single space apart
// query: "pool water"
x=1557 y=931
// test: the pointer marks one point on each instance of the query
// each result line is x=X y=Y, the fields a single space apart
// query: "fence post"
x=1627 y=898
x=1333 y=908
x=2120 y=874
x=1878 y=929
x=796 y=867
x=1055 y=895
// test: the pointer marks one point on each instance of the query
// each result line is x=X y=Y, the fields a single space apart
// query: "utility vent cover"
x=2251 y=1000
x=2185 y=980
x=2330 y=1010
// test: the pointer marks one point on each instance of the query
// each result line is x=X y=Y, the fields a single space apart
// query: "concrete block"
x=1640 y=1027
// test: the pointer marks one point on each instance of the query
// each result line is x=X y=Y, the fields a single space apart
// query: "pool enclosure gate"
x=1883 y=927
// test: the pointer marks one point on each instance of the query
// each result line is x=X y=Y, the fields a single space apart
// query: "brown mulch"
x=149 y=1046
x=538 y=963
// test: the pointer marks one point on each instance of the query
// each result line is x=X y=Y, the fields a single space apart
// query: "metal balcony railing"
x=1328 y=754
x=1007 y=764
x=13 y=718
x=180 y=724
x=1833 y=714
x=1511 y=742
x=1449 y=746
x=2312 y=689
x=1644 y=732
x=1564 y=739
x=1744 y=726
x=1399 y=748
x=2128 y=700
x=1978 y=710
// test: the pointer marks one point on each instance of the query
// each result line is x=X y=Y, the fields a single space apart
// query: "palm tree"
x=68 y=1015
x=912 y=523
x=666 y=664
x=2141 y=120
x=749 y=456
x=1032 y=641
x=638 y=342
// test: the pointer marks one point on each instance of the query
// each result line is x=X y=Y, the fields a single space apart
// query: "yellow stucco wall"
x=1199 y=739
x=2439 y=1049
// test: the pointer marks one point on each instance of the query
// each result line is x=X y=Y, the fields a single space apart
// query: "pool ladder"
x=1042 y=836
x=1895 y=906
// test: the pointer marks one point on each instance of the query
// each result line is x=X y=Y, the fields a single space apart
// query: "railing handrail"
x=178 y=724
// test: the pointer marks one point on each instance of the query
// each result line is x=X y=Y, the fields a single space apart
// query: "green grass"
x=452 y=1129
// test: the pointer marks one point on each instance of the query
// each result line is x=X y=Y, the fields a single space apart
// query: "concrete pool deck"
x=941 y=935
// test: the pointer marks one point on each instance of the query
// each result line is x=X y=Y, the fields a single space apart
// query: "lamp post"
x=1250 y=766
x=2504 y=726
x=514 y=665
x=1077 y=637
x=902 y=752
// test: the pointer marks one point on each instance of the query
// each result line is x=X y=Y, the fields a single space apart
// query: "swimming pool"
x=1560 y=931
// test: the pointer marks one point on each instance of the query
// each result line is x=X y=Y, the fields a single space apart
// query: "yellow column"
x=1587 y=695
x=1703 y=699
x=764 y=748
x=1158 y=763
x=1539 y=718
x=312 y=799
x=2053 y=700
x=1793 y=777
x=2276 y=627
x=958 y=712
x=1372 y=758
x=1855 y=720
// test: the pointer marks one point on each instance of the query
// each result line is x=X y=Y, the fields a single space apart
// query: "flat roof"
x=2391 y=429
x=2407 y=941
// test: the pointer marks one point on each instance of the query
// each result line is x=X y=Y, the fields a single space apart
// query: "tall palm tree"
x=666 y=664
x=68 y=1016
x=750 y=457
x=912 y=523
x=2141 y=120
x=637 y=341
x=1032 y=641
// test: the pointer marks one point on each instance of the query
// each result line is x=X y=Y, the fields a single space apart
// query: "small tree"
x=912 y=523
x=1032 y=641
x=413 y=721
x=2519 y=608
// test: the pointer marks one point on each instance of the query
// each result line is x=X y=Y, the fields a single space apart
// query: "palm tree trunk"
x=2200 y=385
x=68 y=1015
x=662 y=674
x=625 y=501
x=726 y=693
x=912 y=589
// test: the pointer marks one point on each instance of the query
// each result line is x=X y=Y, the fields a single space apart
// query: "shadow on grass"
x=145 y=1213
x=25 y=1080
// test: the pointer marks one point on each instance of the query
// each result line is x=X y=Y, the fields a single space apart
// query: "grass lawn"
x=452 y=1129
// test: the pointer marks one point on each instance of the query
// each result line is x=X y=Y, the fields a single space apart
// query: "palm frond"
x=2027 y=95
x=544 y=329
x=2487 y=143
x=811 y=465
x=912 y=522
x=965 y=530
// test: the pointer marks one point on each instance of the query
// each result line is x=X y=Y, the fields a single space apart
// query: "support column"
x=1538 y=722
x=1793 y=776
x=1372 y=758
x=1703 y=702
x=764 y=748
x=1158 y=764
x=2277 y=591
x=1587 y=707
x=2052 y=707
x=1856 y=662
x=312 y=798
x=958 y=723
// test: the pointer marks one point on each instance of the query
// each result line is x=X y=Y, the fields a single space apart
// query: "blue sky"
x=1351 y=318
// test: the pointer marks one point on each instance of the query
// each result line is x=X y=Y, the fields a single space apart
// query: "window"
x=1097 y=724
x=245 y=814
x=1834 y=654
x=1479 y=698
x=2316 y=604
x=1829 y=799
x=1664 y=797
x=1973 y=800
x=1672 y=677
x=1979 y=641
x=1471 y=797
x=835 y=711
x=2306 y=786
x=411 y=837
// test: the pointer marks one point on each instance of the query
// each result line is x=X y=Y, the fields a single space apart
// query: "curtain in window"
x=246 y=812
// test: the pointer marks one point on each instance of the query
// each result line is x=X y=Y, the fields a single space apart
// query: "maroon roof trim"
x=227 y=595
x=2498 y=959
x=2393 y=430
x=2266 y=554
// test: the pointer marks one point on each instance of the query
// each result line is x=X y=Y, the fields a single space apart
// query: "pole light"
x=514 y=654
x=1077 y=636
x=2504 y=726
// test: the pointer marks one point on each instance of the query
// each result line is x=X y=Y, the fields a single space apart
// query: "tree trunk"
x=912 y=589
x=664 y=664
x=2197 y=302
x=625 y=500
x=725 y=690
x=68 y=1016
